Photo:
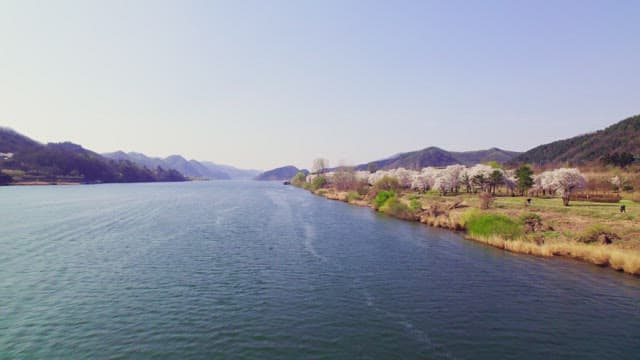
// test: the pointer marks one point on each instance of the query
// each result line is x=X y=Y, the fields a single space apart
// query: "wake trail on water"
x=284 y=218
x=281 y=216
x=223 y=215
x=285 y=215
x=309 y=237
x=403 y=321
x=416 y=333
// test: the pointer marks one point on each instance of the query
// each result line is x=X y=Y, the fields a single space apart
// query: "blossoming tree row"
x=460 y=178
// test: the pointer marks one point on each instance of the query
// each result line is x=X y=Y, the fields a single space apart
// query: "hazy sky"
x=260 y=84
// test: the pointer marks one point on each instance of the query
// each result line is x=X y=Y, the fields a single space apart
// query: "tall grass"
x=396 y=208
x=352 y=196
x=594 y=232
x=602 y=255
x=489 y=225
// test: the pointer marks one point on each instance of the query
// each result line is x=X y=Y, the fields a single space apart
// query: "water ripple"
x=259 y=270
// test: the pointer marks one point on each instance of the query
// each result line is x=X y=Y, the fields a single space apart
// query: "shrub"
x=415 y=205
x=299 y=179
x=598 y=233
x=530 y=217
x=486 y=199
x=396 y=208
x=532 y=222
x=353 y=196
x=487 y=225
x=382 y=198
x=318 y=182
x=387 y=183
x=363 y=188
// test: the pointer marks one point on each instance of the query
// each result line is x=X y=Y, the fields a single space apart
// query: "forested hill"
x=434 y=156
x=620 y=139
x=25 y=160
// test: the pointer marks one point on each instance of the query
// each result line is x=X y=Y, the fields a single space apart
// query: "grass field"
x=571 y=221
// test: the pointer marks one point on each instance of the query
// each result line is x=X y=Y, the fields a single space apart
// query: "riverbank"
x=42 y=183
x=596 y=233
x=67 y=183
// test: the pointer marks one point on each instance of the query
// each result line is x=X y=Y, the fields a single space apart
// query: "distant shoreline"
x=44 y=183
x=69 y=183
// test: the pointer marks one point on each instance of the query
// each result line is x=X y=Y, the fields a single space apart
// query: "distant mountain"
x=281 y=173
x=191 y=168
x=623 y=136
x=434 y=156
x=233 y=172
x=13 y=142
x=195 y=169
x=26 y=160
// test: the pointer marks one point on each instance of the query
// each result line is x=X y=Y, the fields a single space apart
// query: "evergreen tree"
x=524 y=174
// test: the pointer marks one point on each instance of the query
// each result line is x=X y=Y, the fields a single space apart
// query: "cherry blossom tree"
x=421 y=182
x=616 y=182
x=544 y=183
x=478 y=176
x=377 y=176
x=404 y=177
x=454 y=173
x=511 y=181
x=362 y=175
x=448 y=179
x=563 y=182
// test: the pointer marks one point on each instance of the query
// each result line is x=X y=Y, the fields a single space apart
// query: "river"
x=258 y=270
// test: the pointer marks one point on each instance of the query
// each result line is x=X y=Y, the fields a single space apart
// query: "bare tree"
x=345 y=179
x=320 y=166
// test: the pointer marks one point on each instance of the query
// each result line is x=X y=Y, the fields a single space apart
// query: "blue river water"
x=258 y=270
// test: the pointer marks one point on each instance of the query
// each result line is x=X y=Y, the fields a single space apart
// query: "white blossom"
x=404 y=177
x=362 y=175
x=567 y=180
x=616 y=181
x=561 y=181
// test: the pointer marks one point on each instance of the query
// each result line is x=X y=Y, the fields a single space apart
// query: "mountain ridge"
x=622 y=136
x=25 y=160
x=192 y=168
x=435 y=156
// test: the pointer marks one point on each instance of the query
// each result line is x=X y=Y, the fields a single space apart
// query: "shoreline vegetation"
x=527 y=220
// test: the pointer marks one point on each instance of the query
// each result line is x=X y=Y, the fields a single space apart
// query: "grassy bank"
x=592 y=232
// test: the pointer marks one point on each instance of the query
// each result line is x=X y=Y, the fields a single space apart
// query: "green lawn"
x=604 y=211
